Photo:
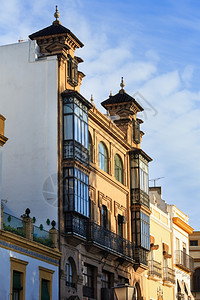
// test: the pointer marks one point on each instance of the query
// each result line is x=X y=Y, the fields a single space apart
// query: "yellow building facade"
x=103 y=201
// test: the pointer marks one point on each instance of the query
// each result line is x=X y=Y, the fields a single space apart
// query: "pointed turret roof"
x=121 y=97
x=54 y=30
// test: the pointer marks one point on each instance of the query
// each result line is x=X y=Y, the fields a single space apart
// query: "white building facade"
x=183 y=262
x=28 y=98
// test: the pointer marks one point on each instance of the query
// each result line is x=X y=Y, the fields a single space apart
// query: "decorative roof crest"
x=56 y=15
x=122 y=85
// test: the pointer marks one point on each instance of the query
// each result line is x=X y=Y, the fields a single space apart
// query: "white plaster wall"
x=28 y=99
x=32 y=275
x=0 y=181
x=183 y=238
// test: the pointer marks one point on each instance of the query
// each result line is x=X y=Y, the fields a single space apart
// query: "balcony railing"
x=169 y=275
x=109 y=240
x=139 y=197
x=155 y=268
x=14 y=225
x=19 y=227
x=184 y=261
x=42 y=236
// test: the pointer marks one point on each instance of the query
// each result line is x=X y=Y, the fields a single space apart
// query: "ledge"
x=22 y=245
x=180 y=223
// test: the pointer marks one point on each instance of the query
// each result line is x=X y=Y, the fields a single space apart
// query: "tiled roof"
x=121 y=97
x=54 y=29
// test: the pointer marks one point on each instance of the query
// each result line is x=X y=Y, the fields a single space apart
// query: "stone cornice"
x=184 y=226
x=108 y=126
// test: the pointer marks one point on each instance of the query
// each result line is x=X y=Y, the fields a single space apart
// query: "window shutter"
x=45 y=291
x=16 y=281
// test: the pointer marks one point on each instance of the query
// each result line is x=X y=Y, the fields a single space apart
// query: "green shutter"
x=16 y=281
x=45 y=292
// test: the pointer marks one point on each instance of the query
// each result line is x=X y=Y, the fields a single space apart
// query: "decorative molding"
x=119 y=208
x=30 y=253
x=92 y=193
x=104 y=200
x=184 y=226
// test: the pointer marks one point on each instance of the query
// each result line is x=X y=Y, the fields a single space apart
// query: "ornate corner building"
x=101 y=198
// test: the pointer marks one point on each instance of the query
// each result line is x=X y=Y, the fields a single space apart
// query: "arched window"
x=71 y=274
x=68 y=269
x=90 y=148
x=118 y=168
x=196 y=280
x=103 y=157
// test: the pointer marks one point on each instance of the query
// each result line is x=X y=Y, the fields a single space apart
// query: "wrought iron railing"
x=110 y=240
x=184 y=260
x=139 y=197
x=155 y=268
x=169 y=275
x=42 y=236
x=98 y=235
x=14 y=225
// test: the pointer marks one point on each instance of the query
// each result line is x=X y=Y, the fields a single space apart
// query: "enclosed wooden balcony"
x=140 y=197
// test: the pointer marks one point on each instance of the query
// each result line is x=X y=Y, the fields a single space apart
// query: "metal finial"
x=57 y=14
x=111 y=94
x=108 y=113
x=92 y=99
x=122 y=84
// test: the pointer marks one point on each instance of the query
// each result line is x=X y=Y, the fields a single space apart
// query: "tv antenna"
x=155 y=179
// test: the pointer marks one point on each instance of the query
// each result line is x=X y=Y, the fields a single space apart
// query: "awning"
x=188 y=290
x=181 y=286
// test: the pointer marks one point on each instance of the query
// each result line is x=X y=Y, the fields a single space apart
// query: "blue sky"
x=155 y=46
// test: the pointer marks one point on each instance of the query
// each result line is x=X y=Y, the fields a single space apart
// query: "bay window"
x=76 y=191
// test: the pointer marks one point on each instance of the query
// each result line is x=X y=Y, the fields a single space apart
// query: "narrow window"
x=145 y=231
x=88 y=281
x=118 y=168
x=103 y=157
x=90 y=149
x=120 y=225
x=17 y=285
x=69 y=277
x=104 y=216
x=46 y=278
x=45 y=285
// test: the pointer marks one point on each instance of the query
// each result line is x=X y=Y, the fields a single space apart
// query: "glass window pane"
x=68 y=127
x=68 y=108
x=103 y=161
x=83 y=134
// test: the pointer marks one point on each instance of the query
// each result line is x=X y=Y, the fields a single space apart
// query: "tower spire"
x=122 y=85
x=56 y=15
